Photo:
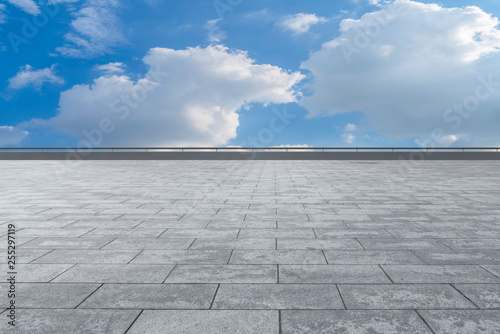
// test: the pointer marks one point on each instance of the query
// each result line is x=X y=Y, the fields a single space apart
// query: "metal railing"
x=252 y=149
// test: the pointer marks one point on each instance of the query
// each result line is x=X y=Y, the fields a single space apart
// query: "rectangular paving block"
x=372 y=257
x=402 y=244
x=52 y=295
x=403 y=296
x=276 y=233
x=459 y=257
x=124 y=233
x=206 y=233
x=53 y=232
x=149 y=243
x=202 y=256
x=40 y=273
x=115 y=273
x=223 y=274
x=277 y=296
x=472 y=244
x=68 y=243
x=207 y=322
x=439 y=274
x=494 y=269
x=152 y=296
x=255 y=243
x=483 y=295
x=49 y=321
x=247 y=256
x=331 y=274
x=352 y=322
x=463 y=321
x=88 y=256
x=319 y=244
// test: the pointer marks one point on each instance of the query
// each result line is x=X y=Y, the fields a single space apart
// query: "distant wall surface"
x=369 y=155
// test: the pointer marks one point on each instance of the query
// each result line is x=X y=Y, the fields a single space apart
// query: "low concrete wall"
x=367 y=155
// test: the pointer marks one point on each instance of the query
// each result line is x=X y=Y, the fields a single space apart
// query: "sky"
x=95 y=73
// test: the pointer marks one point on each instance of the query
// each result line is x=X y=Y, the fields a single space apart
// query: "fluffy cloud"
x=95 y=30
x=188 y=97
x=29 y=6
x=111 y=68
x=10 y=135
x=413 y=68
x=29 y=77
x=300 y=23
x=214 y=33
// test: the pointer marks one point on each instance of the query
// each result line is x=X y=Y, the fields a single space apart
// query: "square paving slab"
x=278 y=247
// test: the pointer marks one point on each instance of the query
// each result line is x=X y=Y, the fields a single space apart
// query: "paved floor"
x=262 y=247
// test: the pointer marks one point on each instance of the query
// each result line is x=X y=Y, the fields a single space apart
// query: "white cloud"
x=112 y=68
x=29 y=77
x=29 y=6
x=406 y=65
x=10 y=135
x=3 y=16
x=350 y=127
x=195 y=104
x=54 y=2
x=95 y=31
x=300 y=23
x=214 y=33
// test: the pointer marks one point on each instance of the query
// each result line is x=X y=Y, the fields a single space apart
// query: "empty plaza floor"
x=281 y=247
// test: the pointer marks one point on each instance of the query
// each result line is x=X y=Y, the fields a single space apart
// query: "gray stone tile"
x=277 y=296
x=289 y=224
x=472 y=244
x=331 y=274
x=223 y=274
x=371 y=257
x=402 y=244
x=152 y=296
x=483 y=295
x=276 y=233
x=67 y=243
x=351 y=233
x=53 y=232
x=115 y=273
x=52 y=295
x=463 y=322
x=47 y=321
x=88 y=256
x=234 y=244
x=26 y=255
x=352 y=322
x=403 y=296
x=447 y=234
x=277 y=257
x=201 y=233
x=439 y=274
x=459 y=257
x=124 y=233
x=207 y=322
x=319 y=244
x=149 y=243
x=40 y=272
x=219 y=256
x=494 y=269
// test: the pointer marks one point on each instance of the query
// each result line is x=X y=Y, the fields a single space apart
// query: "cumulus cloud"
x=111 y=68
x=188 y=97
x=214 y=33
x=29 y=77
x=300 y=23
x=95 y=30
x=10 y=135
x=412 y=68
x=29 y=6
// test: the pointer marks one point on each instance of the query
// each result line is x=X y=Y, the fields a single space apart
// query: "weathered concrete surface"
x=253 y=246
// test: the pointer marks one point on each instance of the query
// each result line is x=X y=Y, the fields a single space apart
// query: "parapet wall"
x=190 y=155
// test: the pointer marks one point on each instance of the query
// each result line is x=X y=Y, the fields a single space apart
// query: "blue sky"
x=249 y=73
